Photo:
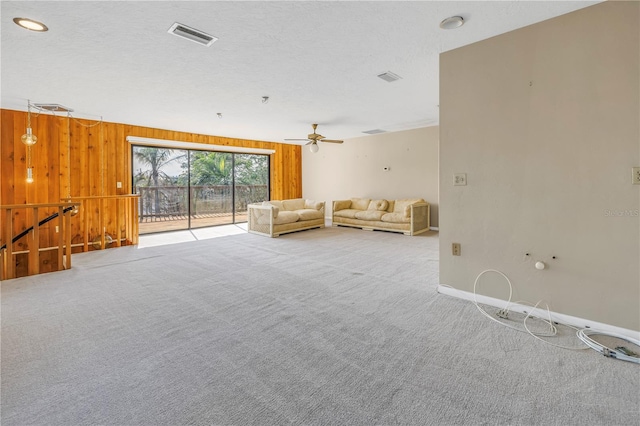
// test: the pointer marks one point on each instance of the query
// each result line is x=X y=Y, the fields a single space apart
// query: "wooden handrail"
x=121 y=216
x=8 y=265
x=130 y=202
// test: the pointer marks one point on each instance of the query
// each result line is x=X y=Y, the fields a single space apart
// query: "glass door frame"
x=189 y=186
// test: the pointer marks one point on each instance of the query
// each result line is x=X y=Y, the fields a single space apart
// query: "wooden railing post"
x=136 y=222
x=67 y=236
x=62 y=233
x=9 y=261
x=85 y=221
x=34 y=245
x=101 y=224
x=118 y=242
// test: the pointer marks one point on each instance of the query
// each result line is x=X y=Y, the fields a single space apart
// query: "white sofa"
x=276 y=217
x=409 y=216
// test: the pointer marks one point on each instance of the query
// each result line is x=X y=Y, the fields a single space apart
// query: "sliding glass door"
x=211 y=188
x=158 y=176
x=251 y=182
x=184 y=189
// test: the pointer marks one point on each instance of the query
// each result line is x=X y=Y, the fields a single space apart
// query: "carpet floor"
x=334 y=326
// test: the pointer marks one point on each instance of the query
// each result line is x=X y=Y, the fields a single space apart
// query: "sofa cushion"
x=274 y=209
x=403 y=206
x=311 y=204
x=349 y=213
x=295 y=204
x=391 y=206
x=341 y=204
x=308 y=214
x=370 y=215
x=379 y=205
x=278 y=204
x=394 y=218
x=360 y=203
x=283 y=217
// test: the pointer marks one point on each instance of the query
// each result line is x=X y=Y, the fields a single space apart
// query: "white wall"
x=355 y=168
x=545 y=122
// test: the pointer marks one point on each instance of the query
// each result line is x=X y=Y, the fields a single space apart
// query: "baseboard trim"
x=434 y=228
x=555 y=316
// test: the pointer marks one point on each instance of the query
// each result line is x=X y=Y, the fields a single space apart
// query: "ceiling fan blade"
x=331 y=140
x=297 y=140
x=309 y=143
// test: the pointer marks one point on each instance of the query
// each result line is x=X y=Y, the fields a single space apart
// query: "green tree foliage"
x=216 y=168
x=149 y=162
x=211 y=168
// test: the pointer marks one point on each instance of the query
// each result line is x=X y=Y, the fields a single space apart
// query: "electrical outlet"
x=459 y=179
x=455 y=249
x=635 y=178
x=118 y=185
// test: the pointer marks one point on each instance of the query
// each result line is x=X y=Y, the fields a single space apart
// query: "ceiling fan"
x=314 y=138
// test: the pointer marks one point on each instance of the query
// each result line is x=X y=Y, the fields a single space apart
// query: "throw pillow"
x=360 y=203
x=310 y=204
x=295 y=204
x=379 y=205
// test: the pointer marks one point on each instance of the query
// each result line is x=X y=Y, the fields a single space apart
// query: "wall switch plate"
x=459 y=179
x=455 y=249
x=118 y=184
x=57 y=229
x=635 y=179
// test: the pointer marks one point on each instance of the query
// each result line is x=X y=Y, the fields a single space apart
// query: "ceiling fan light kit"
x=314 y=138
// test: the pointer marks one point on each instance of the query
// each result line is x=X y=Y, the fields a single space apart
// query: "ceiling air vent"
x=389 y=76
x=53 y=107
x=374 y=131
x=192 y=34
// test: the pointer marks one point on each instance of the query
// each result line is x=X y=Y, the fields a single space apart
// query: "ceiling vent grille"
x=53 y=107
x=389 y=76
x=192 y=34
x=374 y=131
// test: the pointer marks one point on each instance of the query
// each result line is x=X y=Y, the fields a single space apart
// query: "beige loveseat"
x=409 y=216
x=273 y=218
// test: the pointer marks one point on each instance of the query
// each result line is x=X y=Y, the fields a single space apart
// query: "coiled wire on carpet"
x=504 y=313
x=616 y=353
x=582 y=334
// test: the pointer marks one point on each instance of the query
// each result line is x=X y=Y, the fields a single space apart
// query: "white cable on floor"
x=505 y=310
x=608 y=352
x=583 y=335
x=553 y=327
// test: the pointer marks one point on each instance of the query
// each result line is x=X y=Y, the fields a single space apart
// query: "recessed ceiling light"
x=30 y=24
x=452 y=22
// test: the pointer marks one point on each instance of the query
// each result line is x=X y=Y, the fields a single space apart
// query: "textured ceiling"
x=316 y=60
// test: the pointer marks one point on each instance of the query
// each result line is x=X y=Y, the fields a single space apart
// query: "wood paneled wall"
x=82 y=149
x=79 y=158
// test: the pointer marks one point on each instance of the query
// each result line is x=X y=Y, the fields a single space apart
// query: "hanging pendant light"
x=30 y=175
x=29 y=138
